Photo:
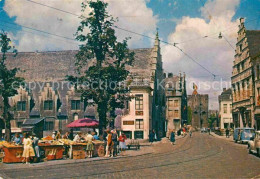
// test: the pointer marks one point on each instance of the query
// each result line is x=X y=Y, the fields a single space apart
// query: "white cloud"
x=133 y=15
x=213 y=53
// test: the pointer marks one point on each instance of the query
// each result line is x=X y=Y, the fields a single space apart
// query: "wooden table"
x=52 y=152
x=13 y=154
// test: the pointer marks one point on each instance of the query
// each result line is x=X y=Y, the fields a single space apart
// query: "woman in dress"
x=27 y=148
x=122 y=144
x=90 y=146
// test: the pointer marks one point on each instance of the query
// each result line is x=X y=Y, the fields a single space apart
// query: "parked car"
x=254 y=144
x=243 y=134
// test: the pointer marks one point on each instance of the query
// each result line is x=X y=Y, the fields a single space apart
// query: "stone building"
x=46 y=94
x=225 y=109
x=199 y=104
x=176 y=101
x=245 y=77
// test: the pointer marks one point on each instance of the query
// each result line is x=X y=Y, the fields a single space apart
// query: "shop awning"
x=27 y=128
x=86 y=122
x=13 y=130
x=32 y=122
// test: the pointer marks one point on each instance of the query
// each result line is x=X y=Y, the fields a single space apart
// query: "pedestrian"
x=66 y=135
x=151 y=137
x=17 y=140
x=155 y=136
x=95 y=136
x=28 y=151
x=110 y=145
x=115 y=141
x=190 y=132
x=122 y=144
x=77 y=138
x=90 y=146
x=71 y=134
x=36 y=147
x=172 y=138
x=227 y=133
x=53 y=135
x=58 y=135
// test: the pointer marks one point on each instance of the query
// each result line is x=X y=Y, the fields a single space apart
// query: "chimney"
x=224 y=89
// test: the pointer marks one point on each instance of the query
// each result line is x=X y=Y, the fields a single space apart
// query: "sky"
x=193 y=25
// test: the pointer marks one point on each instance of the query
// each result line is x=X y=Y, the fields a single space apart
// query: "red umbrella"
x=86 y=122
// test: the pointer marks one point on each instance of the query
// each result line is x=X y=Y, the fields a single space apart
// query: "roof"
x=253 y=39
x=31 y=122
x=55 y=65
x=226 y=95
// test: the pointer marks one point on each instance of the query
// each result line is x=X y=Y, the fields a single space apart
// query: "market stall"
x=77 y=150
x=11 y=153
x=53 y=150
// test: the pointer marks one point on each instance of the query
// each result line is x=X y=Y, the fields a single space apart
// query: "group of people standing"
x=112 y=143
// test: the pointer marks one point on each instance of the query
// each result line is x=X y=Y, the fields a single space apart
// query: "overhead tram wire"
x=133 y=33
x=80 y=16
x=32 y=32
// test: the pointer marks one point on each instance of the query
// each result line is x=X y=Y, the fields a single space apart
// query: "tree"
x=101 y=62
x=189 y=115
x=8 y=82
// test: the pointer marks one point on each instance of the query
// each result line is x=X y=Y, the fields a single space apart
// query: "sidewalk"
x=221 y=137
x=145 y=148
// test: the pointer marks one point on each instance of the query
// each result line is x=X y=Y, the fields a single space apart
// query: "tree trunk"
x=102 y=114
x=7 y=120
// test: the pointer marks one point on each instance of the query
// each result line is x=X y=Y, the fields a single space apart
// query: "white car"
x=254 y=145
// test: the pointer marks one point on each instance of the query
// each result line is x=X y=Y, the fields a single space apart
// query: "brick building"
x=48 y=96
x=245 y=78
x=199 y=104
x=176 y=101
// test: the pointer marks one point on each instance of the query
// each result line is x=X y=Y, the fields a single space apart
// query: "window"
x=19 y=124
x=243 y=65
x=176 y=113
x=128 y=134
x=21 y=106
x=138 y=102
x=49 y=126
x=75 y=104
x=170 y=103
x=238 y=68
x=139 y=134
x=225 y=108
x=176 y=103
x=170 y=113
x=75 y=116
x=240 y=48
x=48 y=105
x=139 y=124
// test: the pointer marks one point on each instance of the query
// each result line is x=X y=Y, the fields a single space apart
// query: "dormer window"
x=75 y=104
x=48 y=105
x=21 y=106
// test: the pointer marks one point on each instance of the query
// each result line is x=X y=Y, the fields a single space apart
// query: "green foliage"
x=8 y=80
x=101 y=61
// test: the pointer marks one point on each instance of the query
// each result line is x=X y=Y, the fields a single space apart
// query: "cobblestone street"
x=201 y=156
